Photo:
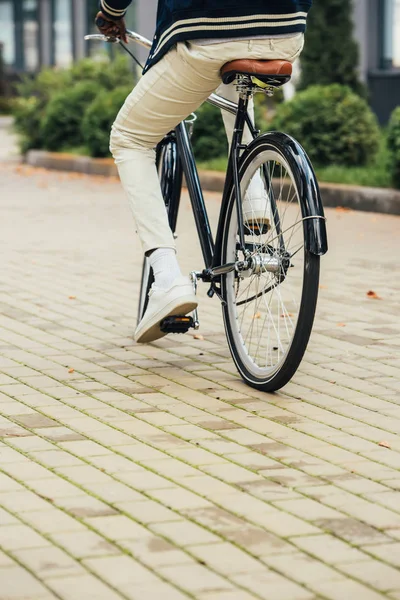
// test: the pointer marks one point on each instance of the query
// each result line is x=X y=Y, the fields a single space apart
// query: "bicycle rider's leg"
x=166 y=95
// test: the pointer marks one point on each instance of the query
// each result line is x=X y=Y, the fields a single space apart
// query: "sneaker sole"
x=152 y=332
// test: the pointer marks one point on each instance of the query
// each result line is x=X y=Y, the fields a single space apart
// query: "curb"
x=69 y=162
x=379 y=200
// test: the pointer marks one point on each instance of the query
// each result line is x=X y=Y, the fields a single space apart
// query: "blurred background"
x=35 y=33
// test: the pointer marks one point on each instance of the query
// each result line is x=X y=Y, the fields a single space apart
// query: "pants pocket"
x=288 y=48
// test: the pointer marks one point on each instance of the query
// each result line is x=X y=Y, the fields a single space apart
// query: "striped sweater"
x=181 y=20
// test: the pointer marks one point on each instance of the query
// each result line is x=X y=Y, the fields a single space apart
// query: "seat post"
x=240 y=123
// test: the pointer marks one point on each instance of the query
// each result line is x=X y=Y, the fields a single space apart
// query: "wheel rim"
x=264 y=305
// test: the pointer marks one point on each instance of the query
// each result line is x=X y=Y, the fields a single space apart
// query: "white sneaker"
x=256 y=205
x=179 y=299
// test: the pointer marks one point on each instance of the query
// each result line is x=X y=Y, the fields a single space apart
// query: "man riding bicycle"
x=193 y=41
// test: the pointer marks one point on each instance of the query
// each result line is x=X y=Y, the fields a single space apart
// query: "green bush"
x=36 y=95
x=335 y=125
x=61 y=124
x=29 y=108
x=209 y=138
x=99 y=117
x=6 y=105
x=394 y=146
x=107 y=74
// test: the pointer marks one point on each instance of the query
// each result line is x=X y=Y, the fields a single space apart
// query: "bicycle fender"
x=310 y=200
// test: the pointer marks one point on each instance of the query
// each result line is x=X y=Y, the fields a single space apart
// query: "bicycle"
x=266 y=277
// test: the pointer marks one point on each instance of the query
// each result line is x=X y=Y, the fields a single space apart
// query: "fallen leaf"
x=71 y=370
x=323 y=287
x=341 y=325
x=342 y=209
x=198 y=336
x=385 y=445
x=373 y=295
x=257 y=316
x=283 y=316
x=72 y=297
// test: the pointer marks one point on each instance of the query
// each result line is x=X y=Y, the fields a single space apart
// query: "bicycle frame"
x=212 y=250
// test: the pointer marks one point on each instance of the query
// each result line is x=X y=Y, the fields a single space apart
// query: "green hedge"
x=394 y=146
x=49 y=111
x=335 y=125
x=62 y=123
x=99 y=117
x=66 y=109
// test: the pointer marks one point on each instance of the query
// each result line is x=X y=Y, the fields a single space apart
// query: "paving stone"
x=226 y=558
x=117 y=527
x=156 y=552
x=285 y=496
x=345 y=590
x=148 y=512
x=375 y=573
x=183 y=533
x=119 y=571
x=389 y=553
x=330 y=549
x=16 y=583
x=35 y=421
x=269 y=586
x=84 y=544
x=70 y=588
x=195 y=578
x=17 y=537
x=233 y=595
x=52 y=521
x=49 y=562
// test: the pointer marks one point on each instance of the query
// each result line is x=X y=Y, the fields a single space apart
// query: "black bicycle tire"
x=309 y=296
x=171 y=192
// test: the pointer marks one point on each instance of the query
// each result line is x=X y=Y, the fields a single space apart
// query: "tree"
x=331 y=54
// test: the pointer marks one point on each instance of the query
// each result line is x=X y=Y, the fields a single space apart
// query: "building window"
x=7 y=32
x=391 y=34
x=63 y=33
x=30 y=34
x=396 y=34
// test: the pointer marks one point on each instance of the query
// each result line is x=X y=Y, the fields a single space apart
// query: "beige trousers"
x=169 y=92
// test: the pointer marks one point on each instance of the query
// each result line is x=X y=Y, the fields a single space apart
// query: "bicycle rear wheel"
x=170 y=174
x=269 y=309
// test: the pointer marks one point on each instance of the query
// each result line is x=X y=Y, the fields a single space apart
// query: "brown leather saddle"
x=271 y=72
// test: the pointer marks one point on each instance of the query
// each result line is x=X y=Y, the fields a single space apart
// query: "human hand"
x=111 y=28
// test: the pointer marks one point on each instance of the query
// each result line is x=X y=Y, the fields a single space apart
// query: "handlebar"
x=131 y=35
x=214 y=99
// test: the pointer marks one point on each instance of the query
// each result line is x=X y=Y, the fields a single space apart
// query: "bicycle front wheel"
x=269 y=309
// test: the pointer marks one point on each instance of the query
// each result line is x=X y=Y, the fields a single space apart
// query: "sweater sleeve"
x=114 y=9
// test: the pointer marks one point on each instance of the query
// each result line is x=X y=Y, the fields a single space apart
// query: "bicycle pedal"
x=177 y=324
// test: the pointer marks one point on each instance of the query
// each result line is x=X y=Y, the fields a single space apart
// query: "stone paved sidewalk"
x=152 y=472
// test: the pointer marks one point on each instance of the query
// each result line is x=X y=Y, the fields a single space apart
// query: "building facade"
x=35 y=33
x=377 y=29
